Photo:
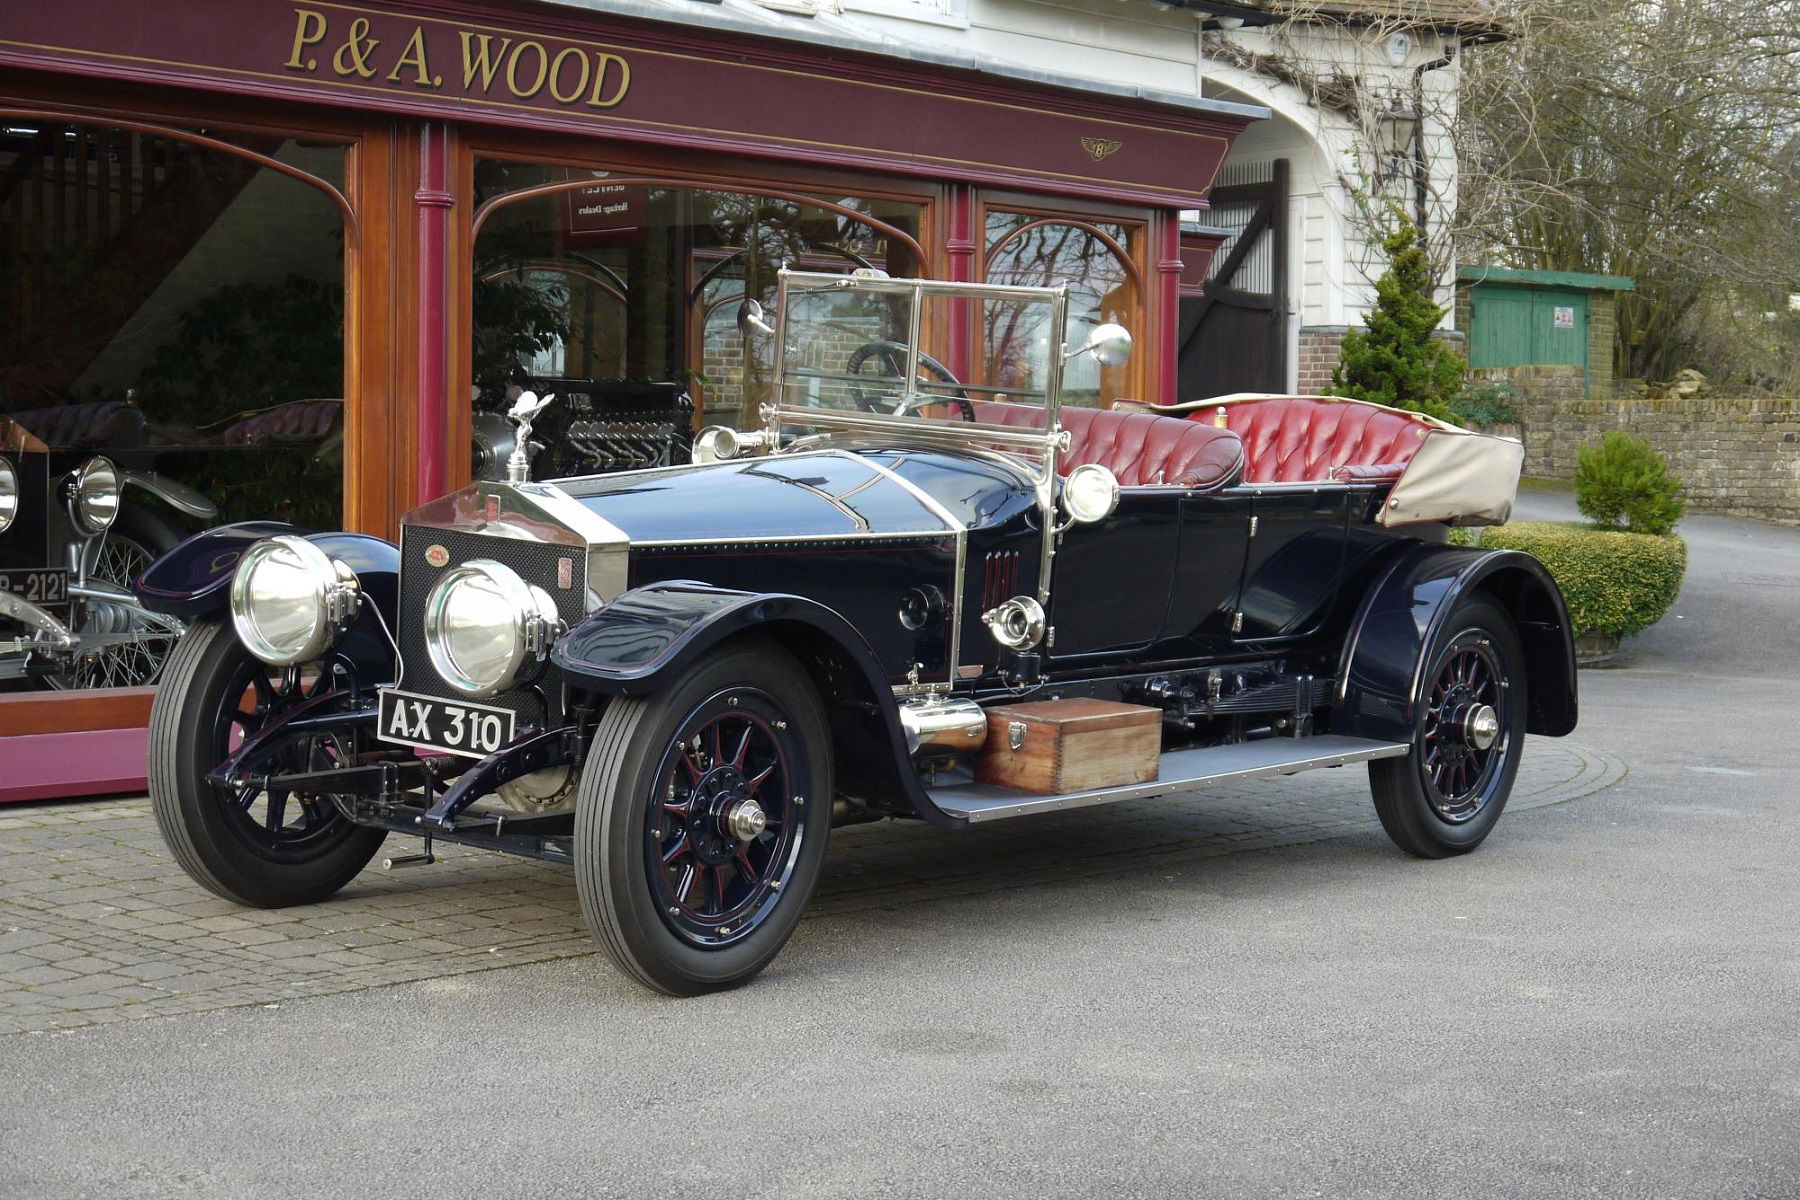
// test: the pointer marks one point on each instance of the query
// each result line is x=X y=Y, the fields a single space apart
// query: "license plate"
x=46 y=587
x=431 y=723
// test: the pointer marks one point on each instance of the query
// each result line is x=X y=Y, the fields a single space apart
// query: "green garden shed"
x=1519 y=318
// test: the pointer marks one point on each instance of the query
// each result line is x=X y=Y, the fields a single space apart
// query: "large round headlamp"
x=94 y=495
x=484 y=626
x=290 y=601
x=9 y=493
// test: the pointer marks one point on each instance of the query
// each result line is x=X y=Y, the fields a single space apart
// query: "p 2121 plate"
x=46 y=587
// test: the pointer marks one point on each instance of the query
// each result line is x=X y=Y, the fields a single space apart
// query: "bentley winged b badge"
x=1099 y=148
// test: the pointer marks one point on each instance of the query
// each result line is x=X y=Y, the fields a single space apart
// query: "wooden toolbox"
x=1056 y=746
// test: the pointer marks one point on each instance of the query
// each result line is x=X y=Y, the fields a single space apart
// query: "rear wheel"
x=1444 y=797
x=249 y=844
x=703 y=818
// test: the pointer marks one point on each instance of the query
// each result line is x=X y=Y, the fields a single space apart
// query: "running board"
x=1181 y=769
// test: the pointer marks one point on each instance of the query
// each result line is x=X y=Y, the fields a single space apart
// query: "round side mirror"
x=1110 y=345
x=1090 y=493
x=750 y=319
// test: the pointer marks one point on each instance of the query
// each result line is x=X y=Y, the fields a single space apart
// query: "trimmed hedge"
x=1615 y=582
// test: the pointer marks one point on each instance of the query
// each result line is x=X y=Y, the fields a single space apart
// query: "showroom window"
x=628 y=297
x=1095 y=259
x=172 y=307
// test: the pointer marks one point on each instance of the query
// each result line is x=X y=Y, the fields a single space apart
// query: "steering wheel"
x=893 y=358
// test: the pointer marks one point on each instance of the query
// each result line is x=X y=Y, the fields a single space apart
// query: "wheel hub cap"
x=746 y=820
x=1480 y=726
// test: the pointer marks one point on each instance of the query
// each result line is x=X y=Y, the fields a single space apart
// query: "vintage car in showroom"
x=907 y=594
x=79 y=519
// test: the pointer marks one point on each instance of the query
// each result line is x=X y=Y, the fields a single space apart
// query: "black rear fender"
x=636 y=643
x=1410 y=602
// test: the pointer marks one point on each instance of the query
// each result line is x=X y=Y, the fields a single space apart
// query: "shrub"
x=1614 y=582
x=1624 y=481
x=1485 y=402
x=1396 y=361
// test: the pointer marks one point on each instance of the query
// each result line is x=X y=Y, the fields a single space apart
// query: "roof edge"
x=839 y=33
x=1568 y=279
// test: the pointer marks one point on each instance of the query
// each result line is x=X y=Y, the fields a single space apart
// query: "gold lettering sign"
x=488 y=64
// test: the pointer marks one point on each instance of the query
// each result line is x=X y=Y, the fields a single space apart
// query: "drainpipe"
x=1421 y=165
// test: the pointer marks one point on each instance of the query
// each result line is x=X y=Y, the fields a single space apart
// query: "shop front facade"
x=289 y=262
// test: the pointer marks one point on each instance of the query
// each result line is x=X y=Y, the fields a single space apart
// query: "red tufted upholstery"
x=1143 y=450
x=295 y=421
x=92 y=426
x=1296 y=439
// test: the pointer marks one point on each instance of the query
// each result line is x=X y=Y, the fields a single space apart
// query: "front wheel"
x=1469 y=732
x=702 y=820
x=249 y=844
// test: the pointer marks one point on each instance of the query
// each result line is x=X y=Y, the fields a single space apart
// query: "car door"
x=1293 y=562
x=1110 y=581
x=1209 y=569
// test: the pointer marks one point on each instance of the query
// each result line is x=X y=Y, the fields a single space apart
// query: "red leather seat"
x=1141 y=449
x=93 y=426
x=295 y=421
x=1303 y=439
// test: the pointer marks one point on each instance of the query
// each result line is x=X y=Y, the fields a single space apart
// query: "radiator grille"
x=539 y=700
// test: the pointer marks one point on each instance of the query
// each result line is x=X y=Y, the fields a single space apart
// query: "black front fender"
x=1403 y=613
x=194 y=579
x=638 y=642
x=630 y=645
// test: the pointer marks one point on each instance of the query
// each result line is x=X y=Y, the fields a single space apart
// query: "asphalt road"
x=1603 y=1001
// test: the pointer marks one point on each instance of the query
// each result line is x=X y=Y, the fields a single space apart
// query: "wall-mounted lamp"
x=1399 y=125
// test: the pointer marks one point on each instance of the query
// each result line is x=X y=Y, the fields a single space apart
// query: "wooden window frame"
x=1141 y=224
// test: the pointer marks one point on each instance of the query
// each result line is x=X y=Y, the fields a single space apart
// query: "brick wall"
x=1736 y=457
x=1603 y=326
x=1319 y=346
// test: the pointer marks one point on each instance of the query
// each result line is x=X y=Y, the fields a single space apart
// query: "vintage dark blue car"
x=679 y=679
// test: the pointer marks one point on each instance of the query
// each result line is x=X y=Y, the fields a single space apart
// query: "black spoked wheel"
x=263 y=847
x=1444 y=797
x=702 y=821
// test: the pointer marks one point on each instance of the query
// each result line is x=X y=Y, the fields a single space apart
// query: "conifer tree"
x=1395 y=360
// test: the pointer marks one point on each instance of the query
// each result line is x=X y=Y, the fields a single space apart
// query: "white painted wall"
x=1332 y=264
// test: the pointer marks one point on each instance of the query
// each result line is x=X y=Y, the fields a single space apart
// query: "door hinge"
x=1237 y=622
x=1253 y=521
x=1050 y=638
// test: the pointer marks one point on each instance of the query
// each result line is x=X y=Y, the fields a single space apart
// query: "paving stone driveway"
x=98 y=925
